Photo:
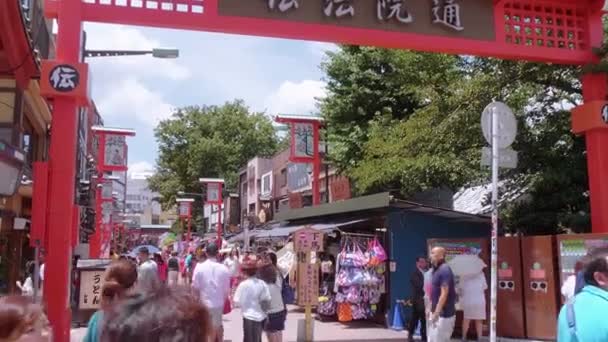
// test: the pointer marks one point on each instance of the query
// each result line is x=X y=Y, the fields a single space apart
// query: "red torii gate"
x=552 y=31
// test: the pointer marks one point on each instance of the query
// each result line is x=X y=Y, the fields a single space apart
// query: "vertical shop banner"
x=308 y=284
x=106 y=212
x=303 y=139
x=213 y=192
x=90 y=289
x=107 y=189
x=115 y=150
x=298 y=177
x=184 y=209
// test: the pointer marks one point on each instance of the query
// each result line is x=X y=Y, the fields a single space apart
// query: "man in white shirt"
x=147 y=273
x=212 y=280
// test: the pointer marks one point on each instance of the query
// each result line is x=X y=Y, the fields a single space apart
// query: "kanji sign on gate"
x=432 y=17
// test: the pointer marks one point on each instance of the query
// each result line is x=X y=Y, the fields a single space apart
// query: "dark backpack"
x=173 y=264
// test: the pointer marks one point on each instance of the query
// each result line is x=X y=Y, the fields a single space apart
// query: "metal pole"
x=494 y=261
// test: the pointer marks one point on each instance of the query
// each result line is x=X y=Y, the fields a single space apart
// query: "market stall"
x=401 y=228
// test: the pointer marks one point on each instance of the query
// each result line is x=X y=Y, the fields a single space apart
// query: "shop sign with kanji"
x=90 y=289
x=308 y=240
x=473 y=19
x=308 y=284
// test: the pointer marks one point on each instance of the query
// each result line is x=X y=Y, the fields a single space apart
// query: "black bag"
x=173 y=264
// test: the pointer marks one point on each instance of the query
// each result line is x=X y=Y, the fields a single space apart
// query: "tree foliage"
x=208 y=141
x=411 y=121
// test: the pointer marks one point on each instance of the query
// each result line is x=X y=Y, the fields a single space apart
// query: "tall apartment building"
x=142 y=206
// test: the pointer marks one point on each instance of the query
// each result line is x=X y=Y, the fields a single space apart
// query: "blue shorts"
x=275 y=322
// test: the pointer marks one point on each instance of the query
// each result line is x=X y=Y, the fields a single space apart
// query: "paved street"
x=324 y=331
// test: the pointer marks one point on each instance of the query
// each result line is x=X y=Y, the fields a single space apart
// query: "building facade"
x=25 y=117
x=142 y=207
x=269 y=186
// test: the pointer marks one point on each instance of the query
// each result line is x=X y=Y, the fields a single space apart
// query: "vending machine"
x=541 y=286
x=510 y=291
x=571 y=248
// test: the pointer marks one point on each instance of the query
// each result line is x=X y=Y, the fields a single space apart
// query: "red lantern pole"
x=220 y=227
x=62 y=174
x=591 y=119
x=316 y=166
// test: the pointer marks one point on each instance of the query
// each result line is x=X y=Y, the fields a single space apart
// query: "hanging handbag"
x=345 y=313
x=377 y=253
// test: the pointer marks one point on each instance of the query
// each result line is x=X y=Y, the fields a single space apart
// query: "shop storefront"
x=372 y=225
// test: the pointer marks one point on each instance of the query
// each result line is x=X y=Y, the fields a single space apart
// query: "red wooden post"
x=316 y=166
x=220 y=227
x=62 y=174
x=595 y=88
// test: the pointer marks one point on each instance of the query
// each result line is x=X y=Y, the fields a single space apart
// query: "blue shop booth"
x=405 y=229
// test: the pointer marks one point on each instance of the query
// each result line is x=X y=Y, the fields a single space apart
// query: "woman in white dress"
x=473 y=302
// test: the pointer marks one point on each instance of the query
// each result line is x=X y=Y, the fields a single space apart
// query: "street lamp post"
x=162 y=53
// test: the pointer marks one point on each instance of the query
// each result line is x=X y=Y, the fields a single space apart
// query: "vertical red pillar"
x=62 y=175
x=316 y=166
x=595 y=87
x=220 y=227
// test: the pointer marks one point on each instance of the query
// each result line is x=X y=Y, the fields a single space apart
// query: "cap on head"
x=144 y=250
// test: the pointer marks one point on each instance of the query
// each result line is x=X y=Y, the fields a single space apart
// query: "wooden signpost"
x=306 y=241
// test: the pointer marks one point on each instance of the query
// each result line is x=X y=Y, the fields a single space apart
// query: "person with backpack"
x=173 y=267
x=583 y=318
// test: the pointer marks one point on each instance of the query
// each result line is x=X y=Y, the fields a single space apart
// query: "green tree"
x=208 y=141
x=410 y=121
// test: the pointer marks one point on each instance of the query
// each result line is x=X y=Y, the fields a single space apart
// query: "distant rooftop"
x=141 y=175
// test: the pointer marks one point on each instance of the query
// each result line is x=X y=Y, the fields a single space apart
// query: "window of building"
x=283 y=178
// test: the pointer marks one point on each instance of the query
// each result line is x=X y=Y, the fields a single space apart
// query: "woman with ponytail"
x=120 y=276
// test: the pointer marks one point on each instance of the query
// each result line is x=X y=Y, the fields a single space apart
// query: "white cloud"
x=320 y=48
x=116 y=37
x=295 y=98
x=131 y=98
x=140 y=167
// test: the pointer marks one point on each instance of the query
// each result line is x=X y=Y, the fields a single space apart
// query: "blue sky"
x=271 y=75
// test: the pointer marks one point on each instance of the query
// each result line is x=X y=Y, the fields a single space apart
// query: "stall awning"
x=285 y=231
